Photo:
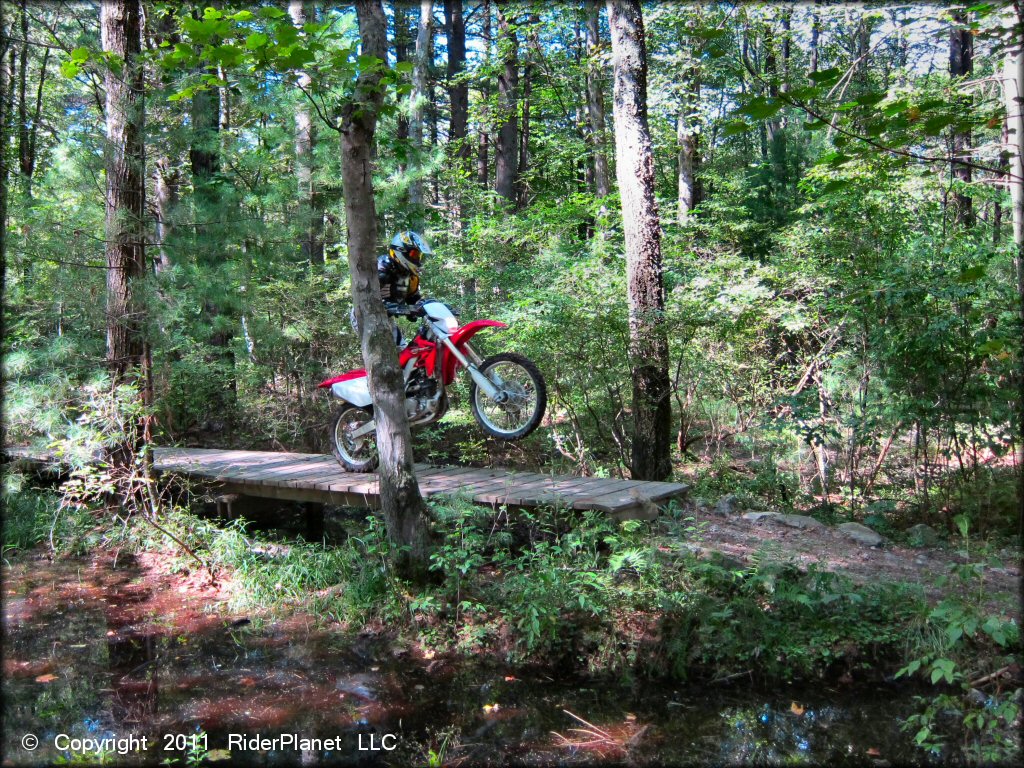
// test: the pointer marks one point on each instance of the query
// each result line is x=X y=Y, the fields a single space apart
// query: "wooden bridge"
x=308 y=477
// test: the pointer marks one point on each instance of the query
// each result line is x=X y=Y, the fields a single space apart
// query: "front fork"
x=470 y=361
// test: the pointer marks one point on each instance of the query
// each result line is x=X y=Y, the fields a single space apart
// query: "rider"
x=399 y=274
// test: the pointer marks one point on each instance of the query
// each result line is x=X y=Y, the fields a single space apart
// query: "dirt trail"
x=742 y=539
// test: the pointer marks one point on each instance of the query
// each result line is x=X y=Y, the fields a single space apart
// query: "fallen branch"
x=990 y=677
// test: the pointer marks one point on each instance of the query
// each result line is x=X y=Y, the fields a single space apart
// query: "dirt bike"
x=507 y=392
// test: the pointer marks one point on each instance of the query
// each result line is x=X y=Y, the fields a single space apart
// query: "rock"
x=726 y=505
x=861 y=534
x=976 y=697
x=922 y=535
x=756 y=517
x=803 y=522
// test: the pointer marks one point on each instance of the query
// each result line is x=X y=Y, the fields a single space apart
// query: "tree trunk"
x=961 y=65
x=458 y=89
x=1013 y=92
x=484 y=142
x=815 y=35
x=120 y=22
x=24 y=157
x=405 y=514
x=506 y=154
x=688 y=137
x=403 y=43
x=523 y=163
x=6 y=79
x=204 y=153
x=417 y=113
x=311 y=213
x=165 y=198
x=634 y=160
x=595 y=101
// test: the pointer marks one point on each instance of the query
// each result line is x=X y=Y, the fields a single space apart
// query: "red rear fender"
x=356 y=374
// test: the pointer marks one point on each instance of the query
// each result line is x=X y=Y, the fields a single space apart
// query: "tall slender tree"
x=634 y=160
x=961 y=66
x=458 y=88
x=595 y=100
x=418 y=101
x=311 y=209
x=506 y=152
x=5 y=85
x=405 y=514
x=124 y=158
x=1013 y=95
x=484 y=138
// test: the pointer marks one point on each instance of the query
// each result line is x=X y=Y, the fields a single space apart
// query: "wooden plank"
x=306 y=476
x=521 y=491
x=217 y=461
x=629 y=497
x=452 y=481
x=530 y=493
x=256 y=472
x=469 y=486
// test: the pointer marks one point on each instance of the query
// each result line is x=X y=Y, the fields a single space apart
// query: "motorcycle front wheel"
x=522 y=397
x=356 y=454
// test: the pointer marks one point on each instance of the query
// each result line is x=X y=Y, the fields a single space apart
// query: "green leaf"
x=404 y=67
x=734 y=128
x=366 y=62
x=871 y=98
x=933 y=125
x=761 y=108
x=79 y=55
x=270 y=12
x=835 y=185
x=826 y=76
x=972 y=274
x=256 y=40
x=69 y=69
x=992 y=346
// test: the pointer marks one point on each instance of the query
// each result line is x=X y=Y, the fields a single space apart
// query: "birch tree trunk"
x=634 y=159
x=1013 y=92
x=405 y=514
x=311 y=215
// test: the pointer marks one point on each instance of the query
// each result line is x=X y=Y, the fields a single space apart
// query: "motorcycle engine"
x=422 y=397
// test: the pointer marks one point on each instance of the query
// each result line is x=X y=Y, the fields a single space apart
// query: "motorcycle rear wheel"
x=357 y=454
x=526 y=393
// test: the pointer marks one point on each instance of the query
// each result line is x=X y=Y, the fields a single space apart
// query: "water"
x=96 y=653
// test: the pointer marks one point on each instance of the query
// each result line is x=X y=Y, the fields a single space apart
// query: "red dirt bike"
x=507 y=394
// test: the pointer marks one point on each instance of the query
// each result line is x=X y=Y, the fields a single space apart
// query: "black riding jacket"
x=397 y=284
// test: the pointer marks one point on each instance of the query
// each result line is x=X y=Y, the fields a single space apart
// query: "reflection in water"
x=97 y=652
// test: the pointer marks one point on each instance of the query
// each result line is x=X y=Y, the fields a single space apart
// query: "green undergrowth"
x=589 y=595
